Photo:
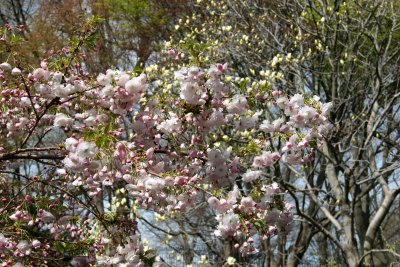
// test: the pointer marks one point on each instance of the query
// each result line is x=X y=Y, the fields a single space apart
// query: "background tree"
x=17 y=12
x=134 y=30
x=343 y=52
x=129 y=33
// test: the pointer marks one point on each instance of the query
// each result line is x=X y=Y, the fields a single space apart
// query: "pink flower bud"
x=36 y=243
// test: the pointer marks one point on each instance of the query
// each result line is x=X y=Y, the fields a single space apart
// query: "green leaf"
x=60 y=246
x=16 y=39
x=90 y=41
x=32 y=209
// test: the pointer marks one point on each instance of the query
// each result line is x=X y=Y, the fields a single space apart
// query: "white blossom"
x=250 y=176
x=62 y=120
x=86 y=150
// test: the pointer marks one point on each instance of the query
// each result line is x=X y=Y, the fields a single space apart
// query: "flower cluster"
x=155 y=149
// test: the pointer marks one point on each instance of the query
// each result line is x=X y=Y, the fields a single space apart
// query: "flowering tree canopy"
x=157 y=140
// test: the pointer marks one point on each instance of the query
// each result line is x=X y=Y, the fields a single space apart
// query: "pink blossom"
x=266 y=159
x=136 y=85
x=250 y=176
x=237 y=105
x=36 y=243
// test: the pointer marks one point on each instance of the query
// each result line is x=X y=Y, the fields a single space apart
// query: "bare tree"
x=17 y=12
x=345 y=52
